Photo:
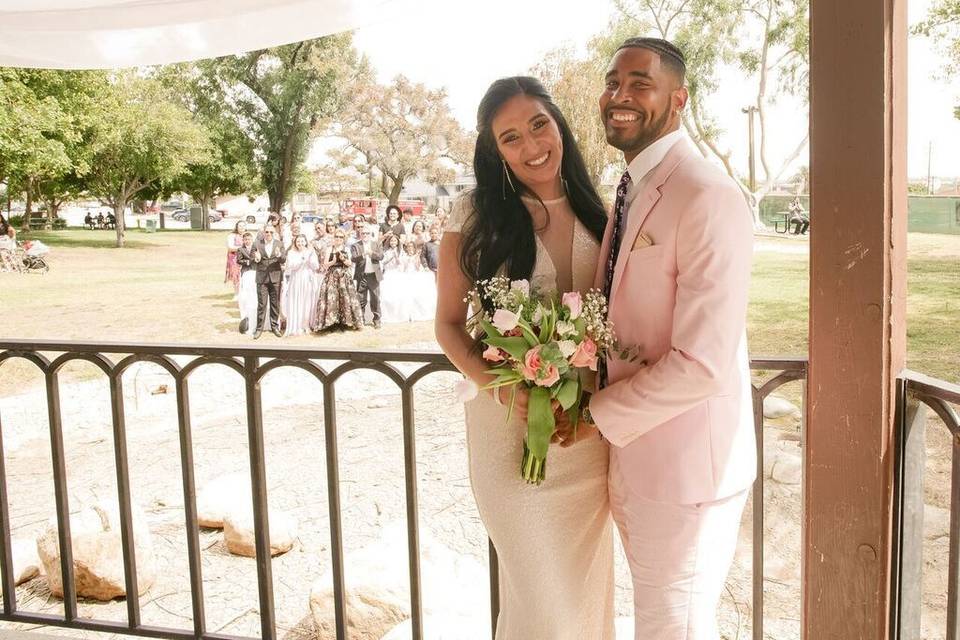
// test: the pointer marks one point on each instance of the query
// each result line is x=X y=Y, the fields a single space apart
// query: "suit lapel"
x=643 y=205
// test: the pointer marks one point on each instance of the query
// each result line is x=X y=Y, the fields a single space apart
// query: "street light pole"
x=750 y=111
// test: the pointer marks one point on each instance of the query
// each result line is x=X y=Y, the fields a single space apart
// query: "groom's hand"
x=565 y=436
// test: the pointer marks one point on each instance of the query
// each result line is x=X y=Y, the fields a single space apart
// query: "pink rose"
x=505 y=320
x=493 y=354
x=531 y=363
x=585 y=355
x=574 y=302
x=551 y=377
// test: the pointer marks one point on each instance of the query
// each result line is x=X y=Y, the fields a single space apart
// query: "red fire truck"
x=371 y=207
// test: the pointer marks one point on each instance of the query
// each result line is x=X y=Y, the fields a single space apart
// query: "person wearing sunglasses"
x=269 y=256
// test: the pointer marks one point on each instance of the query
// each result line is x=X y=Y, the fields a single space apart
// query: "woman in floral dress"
x=338 y=304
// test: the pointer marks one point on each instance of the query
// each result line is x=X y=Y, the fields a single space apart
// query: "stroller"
x=31 y=255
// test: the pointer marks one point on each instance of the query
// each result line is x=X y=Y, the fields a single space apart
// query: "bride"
x=534 y=215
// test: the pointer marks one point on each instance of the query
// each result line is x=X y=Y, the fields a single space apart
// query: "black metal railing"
x=916 y=394
x=252 y=364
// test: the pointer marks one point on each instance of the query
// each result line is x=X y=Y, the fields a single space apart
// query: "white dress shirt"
x=646 y=161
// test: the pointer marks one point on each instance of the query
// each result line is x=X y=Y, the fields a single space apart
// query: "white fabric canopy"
x=102 y=34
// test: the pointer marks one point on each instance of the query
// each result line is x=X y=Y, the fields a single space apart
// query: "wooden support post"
x=857 y=312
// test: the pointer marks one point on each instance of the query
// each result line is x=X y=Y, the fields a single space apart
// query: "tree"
x=34 y=130
x=342 y=175
x=766 y=40
x=140 y=140
x=403 y=130
x=277 y=97
x=228 y=169
x=942 y=25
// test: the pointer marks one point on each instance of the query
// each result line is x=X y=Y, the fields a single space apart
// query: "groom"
x=675 y=265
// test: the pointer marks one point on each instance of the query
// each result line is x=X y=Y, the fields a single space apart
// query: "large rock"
x=378 y=590
x=787 y=468
x=26 y=561
x=238 y=532
x=98 y=553
x=776 y=407
x=221 y=496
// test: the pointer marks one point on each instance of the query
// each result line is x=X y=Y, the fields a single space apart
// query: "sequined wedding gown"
x=555 y=541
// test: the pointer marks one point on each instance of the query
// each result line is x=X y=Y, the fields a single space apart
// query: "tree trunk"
x=204 y=212
x=276 y=198
x=118 y=214
x=28 y=213
x=395 y=190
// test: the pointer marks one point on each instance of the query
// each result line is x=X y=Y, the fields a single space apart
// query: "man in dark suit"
x=269 y=256
x=367 y=255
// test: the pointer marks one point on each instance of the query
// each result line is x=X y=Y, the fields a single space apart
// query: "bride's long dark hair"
x=500 y=231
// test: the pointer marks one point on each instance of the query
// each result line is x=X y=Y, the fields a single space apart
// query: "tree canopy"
x=402 y=130
x=277 y=97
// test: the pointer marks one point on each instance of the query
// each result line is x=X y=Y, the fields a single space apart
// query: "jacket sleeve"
x=714 y=255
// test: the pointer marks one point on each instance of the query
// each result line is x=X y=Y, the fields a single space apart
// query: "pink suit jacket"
x=680 y=417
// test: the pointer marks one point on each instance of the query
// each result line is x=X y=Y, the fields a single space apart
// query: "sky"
x=464 y=46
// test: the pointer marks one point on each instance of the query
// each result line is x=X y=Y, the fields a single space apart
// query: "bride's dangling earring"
x=506 y=179
x=563 y=182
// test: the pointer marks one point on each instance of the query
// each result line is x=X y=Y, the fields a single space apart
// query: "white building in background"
x=441 y=195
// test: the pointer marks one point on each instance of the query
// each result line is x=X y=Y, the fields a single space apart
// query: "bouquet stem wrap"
x=540 y=427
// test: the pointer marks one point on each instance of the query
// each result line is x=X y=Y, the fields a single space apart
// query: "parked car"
x=181 y=215
x=216 y=215
x=257 y=217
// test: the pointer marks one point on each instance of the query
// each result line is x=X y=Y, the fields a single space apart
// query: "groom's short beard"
x=647 y=136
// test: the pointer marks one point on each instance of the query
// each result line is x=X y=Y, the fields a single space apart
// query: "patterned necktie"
x=618 y=211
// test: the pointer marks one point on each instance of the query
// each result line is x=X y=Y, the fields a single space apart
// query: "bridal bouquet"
x=549 y=345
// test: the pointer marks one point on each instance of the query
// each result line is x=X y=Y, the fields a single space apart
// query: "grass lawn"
x=168 y=287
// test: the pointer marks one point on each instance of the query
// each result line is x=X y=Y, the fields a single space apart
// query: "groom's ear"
x=678 y=99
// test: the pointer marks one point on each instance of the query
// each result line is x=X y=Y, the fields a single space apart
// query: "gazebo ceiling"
x=97 y=34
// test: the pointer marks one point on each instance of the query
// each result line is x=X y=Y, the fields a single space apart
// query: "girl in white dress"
x=418 y=284
x=534 y=215
x=299 y=300
x=393 y=298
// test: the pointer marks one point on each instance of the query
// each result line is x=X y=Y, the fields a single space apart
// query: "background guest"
x=393 y=293
x=366 y=255
x=407 y=222
x=234 y=242
x=290 y=234
x=391 y=223
x=356 y=230
x=247 y=293
x=338 y=304
x=299 y=303
x=418 y=234
x=8 y=247
x=430 y=251
x=268 y=255
x=418 y=284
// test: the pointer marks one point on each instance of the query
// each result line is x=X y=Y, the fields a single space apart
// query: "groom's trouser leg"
x=679 y=558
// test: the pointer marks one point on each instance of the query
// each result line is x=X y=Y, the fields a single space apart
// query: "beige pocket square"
x=643 y=241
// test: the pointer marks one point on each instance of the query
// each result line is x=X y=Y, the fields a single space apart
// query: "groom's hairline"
x=674 y=55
